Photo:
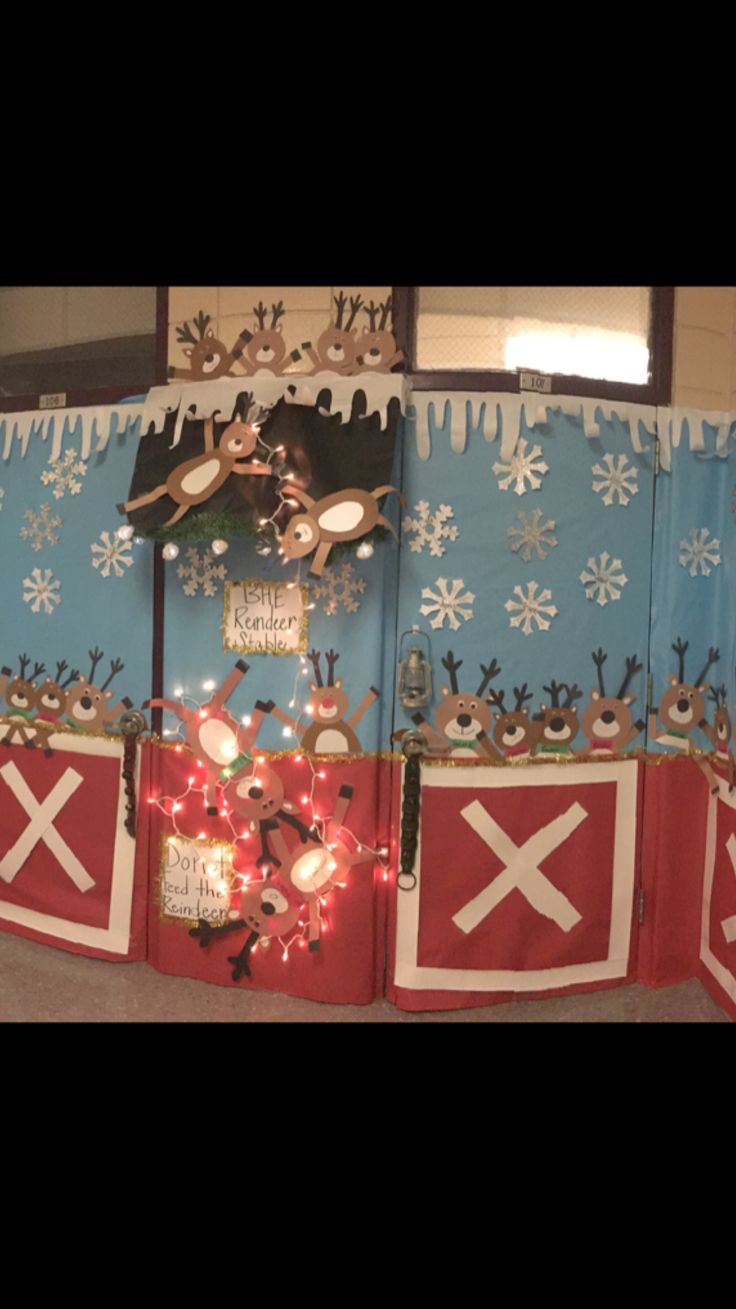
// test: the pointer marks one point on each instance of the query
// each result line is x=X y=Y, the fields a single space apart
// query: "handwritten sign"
x=265 y=617
x=195 y=880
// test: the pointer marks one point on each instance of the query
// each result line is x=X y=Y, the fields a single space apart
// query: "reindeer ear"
x=704 y=687
x=673 y=680
x=445 y=691
x=629 y=699
x=210 y=333
x=313 y=686
x=279 y=327
x=595 y=695
x=108 y=695
x=188 y=353
x=338 y=684
x=497 y=717
x=290 y=807
x=525 y=711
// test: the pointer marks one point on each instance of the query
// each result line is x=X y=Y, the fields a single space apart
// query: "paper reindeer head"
x=208 y=357
x=682 y=707
x=267 y=909
x=330 y=732
x=608 y=722
x=558 y=722
x=463 y=720
x=20 y=697
x=515 y=735
x=88 y=706
x=195 y=480
x=336 y=348
x=343 y=516
x=265 y=347
x=257 y=795
x=376 y=352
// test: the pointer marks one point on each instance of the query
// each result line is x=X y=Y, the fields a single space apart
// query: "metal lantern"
x=415 y=673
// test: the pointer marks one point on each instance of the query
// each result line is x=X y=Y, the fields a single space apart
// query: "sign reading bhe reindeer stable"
x=265 y=617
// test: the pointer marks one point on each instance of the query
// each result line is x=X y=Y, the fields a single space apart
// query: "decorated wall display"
x=265 y=617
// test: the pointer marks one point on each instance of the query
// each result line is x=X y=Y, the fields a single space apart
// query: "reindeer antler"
x=554 y=692
x=95 y=655
x=332 y=659
x=573 y=693
x=599 y=658
x=679 y=648
x=496 y=697
x=372 y=310
x=488 y=673
x=185 y=335
x=718 y=696
x=340 y=301
x=73 y=675
x=522 y=697
x=24 y=661
x=713 y=657
x=260 y=312
x=452 y=665
x=385 y=311
x=38 y=669
x=632 y=667
x=314 y=658
x=355 y=304
x=277 y=312
x=116 y=665
x=60 y=666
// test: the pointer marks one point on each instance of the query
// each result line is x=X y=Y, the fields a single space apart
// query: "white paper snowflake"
x=430 y=528
x=339 y=586
x=533 y=535
x=532 y=608
x=40 y=530
x=111 y=554
x=616 y=479
x=522 y=467
x=201 y=571
x=448 y=601
x=698 y=552
x=63 y=475
x=41 y=591
x=603 y=580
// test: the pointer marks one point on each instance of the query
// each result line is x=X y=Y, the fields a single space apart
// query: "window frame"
x=657 y=391
x=80 y=399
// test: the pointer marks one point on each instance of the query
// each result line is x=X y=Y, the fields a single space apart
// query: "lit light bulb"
x=178 y=692
x=219 y=546
x=170 y=550
x=125 y=533
x=139 y=540
x=364 y=550
x=245 y=720
x=209 y=686
x=263 y=549
x=286 y=731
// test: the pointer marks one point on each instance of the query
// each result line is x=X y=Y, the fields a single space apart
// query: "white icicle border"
x=458 y=413
x=204 y=399
x=75 y=428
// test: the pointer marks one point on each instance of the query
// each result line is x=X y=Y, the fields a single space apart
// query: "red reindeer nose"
x=327 y=704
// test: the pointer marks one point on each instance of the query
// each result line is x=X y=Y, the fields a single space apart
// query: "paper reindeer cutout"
x=343 y=516
x=463 y=720
x=267 y=909
x=195 y=480
x=515 y=735
x=330 y=732
x=719 y=735
x=558 y=722
x=88 y=706
x=214 y=737
x=208 y=357
x=265 y=347
x=608 y=722
x=50 y=704
x=20 y=695
x=682 y=707
x=314 y=871
x=258 y=796
x=337 y=347
x=376 y=350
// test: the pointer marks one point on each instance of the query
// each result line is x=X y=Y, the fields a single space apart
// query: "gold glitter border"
x=303 y=645
x=193 y=840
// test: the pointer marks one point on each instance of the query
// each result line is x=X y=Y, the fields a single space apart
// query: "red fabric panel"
x=347 y=969
x=722 y=913
x=87 y=823
x=675 y=815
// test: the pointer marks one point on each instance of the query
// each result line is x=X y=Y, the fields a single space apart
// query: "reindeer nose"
x=327 y=704
x=683 y=705
x=267 y=908
x=512 y=729
x=255 y=793
x=464 y=720
x=608 y=717
x=85 y=702
x=557 y=724
x=374 y=351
